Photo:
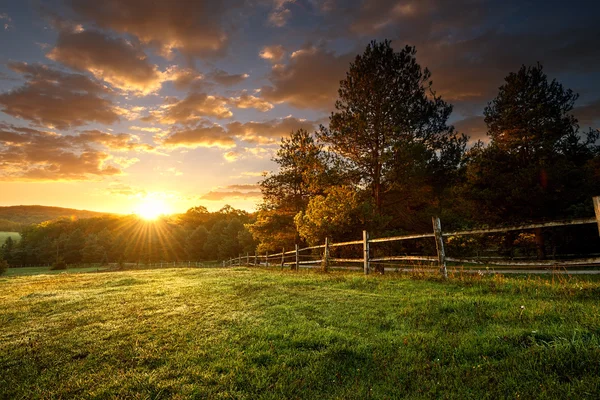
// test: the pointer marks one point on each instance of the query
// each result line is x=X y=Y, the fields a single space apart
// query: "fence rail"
x=324 y=259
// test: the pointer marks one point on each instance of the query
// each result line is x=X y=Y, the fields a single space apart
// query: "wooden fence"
x=294 y=258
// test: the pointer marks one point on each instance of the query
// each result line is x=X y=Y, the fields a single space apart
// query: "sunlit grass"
x=242 y=333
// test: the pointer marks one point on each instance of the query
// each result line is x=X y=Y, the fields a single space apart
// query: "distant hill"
x=15 y=218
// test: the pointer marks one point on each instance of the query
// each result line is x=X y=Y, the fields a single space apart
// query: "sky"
x=114 y=105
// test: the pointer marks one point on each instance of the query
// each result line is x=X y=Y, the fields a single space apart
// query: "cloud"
x=122 y=189
x=184 y=78
x=113 y=60
x=233 y=192
x=30 y=154
x=474 y=127
x=310 y=79
x=273 y=53
x=202 y=135
x=192 y=108
x=226 y=79
x=246 y=100
x=268 y=131
x=232 y=156
x=195 y=28
x=589 y=114
x=57 y=99
x=6 y=22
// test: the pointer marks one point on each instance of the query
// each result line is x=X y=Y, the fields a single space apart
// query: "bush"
x=58 y=265
x=3 y=266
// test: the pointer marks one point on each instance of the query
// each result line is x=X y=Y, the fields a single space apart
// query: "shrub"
x=3 y=266
x=58 y=265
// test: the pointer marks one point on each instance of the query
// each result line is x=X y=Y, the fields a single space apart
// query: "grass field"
x=4 y=235
x=256 y=334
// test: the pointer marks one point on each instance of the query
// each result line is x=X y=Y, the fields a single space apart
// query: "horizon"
x=99 y=112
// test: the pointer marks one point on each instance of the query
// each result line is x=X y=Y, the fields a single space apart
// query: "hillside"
x=14 y=218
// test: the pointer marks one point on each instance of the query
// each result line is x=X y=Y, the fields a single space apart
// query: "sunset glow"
x=151 y=209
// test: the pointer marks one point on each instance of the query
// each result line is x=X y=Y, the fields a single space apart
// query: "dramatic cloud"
x=202 y=135
x=272 y=53
x=184 y=78
x=223 y=78
x=30 y=154
x=310 y=79
x=57 y=99
x=195 y=28
x=114 y=60
x=246 y=100
x=268 y=131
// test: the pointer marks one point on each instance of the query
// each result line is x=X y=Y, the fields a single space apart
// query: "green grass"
x=29 y=271
x=4 y=235
x=256 y=334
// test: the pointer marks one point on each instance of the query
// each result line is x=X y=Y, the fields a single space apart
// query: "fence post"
x=282 y=257
x=325 y=265
x=247 y=258
x=223 y=263
x=297 y=258
x=267 y=259
x=366 y=251
x=597 y=209
x=439 y=244
x=255 y=259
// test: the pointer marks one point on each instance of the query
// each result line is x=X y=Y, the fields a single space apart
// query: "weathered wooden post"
x=267 y=259
x=325 y=265
x=439 y=244
x=282 y=257
x=366 y=251
x=597 y=209
x=223 y=263
x=255 y=259
x=239 y=260
x=247 y=258
x=297 y=266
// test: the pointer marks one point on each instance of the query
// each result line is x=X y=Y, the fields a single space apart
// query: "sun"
x=151 y=209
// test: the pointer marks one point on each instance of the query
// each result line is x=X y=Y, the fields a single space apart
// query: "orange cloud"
x=57 y=99
x=30 y=154
x=246 y=100
x=243 y=191
x=273 y=54
x=113 y=60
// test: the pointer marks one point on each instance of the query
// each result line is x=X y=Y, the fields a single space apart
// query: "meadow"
x=245 y=333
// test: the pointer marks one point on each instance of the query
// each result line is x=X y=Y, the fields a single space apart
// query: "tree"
x=536 y=165
x=194 y=246
x=387 y=114
x=338 y=215
x=304 y=171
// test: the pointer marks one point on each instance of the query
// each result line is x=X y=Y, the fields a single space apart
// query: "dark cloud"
x=268 y=131
x=58 y=99
x=474 y=127
x=589 y=114
x=114 y=60
x=30 y=154
x=273 y=53
x=310 y=79
x=194 y=27
x=226 y=79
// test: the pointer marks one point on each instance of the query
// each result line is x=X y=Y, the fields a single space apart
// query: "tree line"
x=389 y=160
x=196 y=235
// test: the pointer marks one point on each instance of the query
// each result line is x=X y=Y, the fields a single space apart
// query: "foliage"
x=339 y=214
x=3 y=266
x=536 y=165
x=59 y=264
x=390 y=125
